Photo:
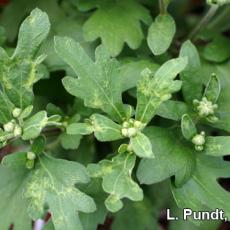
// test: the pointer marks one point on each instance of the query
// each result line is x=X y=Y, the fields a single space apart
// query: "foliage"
x=113 y=110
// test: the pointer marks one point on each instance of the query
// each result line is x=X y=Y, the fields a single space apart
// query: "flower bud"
x=199 y=139
x=199 y=147
x=17 y=131
x=132 y=132
x=9 y=127
x=125 y=124
x=137 y=124
x=30 y=164
x=124 y=132
x=30 y=156
x=129 y=148
x=205 y=107
x=16 y=112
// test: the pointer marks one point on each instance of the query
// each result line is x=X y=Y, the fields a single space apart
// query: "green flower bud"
x=17 y=131
x=132 y=132
x=30 y=156
x=9 y=127
x=205 y=107
x=129 y=148
x=125 y=124
x=124 y=132
x=199 y=139
x=137 y=124
x=16 y=112
x=30 y=164
x=199 y=147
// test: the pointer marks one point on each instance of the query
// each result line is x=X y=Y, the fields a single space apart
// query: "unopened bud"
x=132 y=132
x=16 y=112
x=198 y=139
x=17 y=131
x=199 y=147
x=125 y=124
x=124 y=132
x=30 y=156
x=30 y=164
x=9 y=127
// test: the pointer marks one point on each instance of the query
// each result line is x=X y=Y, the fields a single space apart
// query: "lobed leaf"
x=114 y=31
x=117 y=181
x=19 y=72
x=98 y=83
x=53 y=183
x=208 y=193
x=173 y=157
x=11 y=201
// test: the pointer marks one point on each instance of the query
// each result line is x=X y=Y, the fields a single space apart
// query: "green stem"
x=204 y=21
x=162 y=7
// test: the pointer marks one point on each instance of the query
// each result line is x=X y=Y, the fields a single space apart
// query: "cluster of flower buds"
x=199 y=140
x=11 y=129
x=206 y=109
x=131 y=127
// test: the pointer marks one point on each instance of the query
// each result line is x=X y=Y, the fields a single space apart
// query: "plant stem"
x=162 y=7
x=204 y=21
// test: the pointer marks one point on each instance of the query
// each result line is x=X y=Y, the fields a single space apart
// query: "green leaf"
x=136 y=215
x=172 y=110
x=80 y=128
x=12 y=205
x=153 y=90
x=105 y=129
x=168 y=148
x=217 y=50
x=202 y=191
x=217 y=146
x=15 y=160
x=70 y=141
x=38 y=145
x=6 y=108
x=34 y=125
x=161 y=33
x=141 y=145
x=53 y=183
x=98 y=83
x=90 y=221
x=188 y=127
x=117 y=180
x=26 y=112
x=212 y=90
x=20 y=72
x=32 y=32
x=131 y=71
x=191 y=87
x=115 y=30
